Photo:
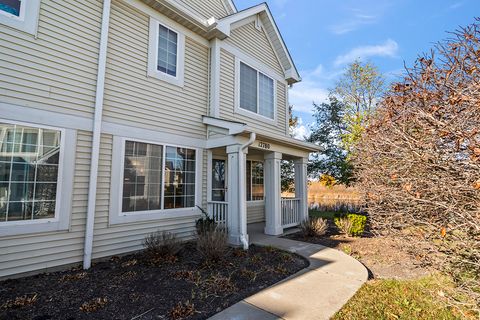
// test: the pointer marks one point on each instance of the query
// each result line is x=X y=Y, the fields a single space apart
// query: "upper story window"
x=166 y=53
x=257 y=92
x=20 y=14
x=12 y=8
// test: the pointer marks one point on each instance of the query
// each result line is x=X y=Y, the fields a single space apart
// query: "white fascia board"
x=232 y=127
x=227 y=24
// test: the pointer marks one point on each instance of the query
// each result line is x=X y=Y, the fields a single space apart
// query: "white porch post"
x=273 y=210
x=301 y=186
x=237 y=199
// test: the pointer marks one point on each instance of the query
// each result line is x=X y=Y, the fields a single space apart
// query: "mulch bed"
x=140 y=286
x=384 y=257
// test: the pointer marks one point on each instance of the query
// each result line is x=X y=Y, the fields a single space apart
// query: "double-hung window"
x=255 y=184
x=157 y=177
x=29 y=161
x=257 y=92
x=20 y=14
x=166 y=53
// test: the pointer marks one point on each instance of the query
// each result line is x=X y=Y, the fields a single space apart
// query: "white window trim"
x=248 y=113
x=28 y=19
x=63 y=200
x=116 y=215
x=178 y=80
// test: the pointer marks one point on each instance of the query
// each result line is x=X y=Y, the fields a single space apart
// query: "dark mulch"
x=139 y=286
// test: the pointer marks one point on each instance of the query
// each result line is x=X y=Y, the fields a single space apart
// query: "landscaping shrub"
x=314 y=227
x=351 y=224
x=162 y=243
x=418 y=162
x=212 y=244
x=205 y=223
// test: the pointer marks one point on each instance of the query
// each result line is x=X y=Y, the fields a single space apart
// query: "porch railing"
x=218 y=211
x=290 y=212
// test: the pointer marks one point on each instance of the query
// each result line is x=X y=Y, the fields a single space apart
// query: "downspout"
x=243 y=222
x=97 y=129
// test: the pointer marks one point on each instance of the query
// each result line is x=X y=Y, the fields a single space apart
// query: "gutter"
x=97 y=129
x=243 y=204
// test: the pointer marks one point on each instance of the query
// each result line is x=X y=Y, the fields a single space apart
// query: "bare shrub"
x=212 y=244
x=314 y=227
x=345 y=225
x=162 y=243
x=419 y=158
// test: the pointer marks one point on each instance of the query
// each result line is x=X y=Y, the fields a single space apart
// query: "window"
x=157 y=177
x=257 y=93
x=142 y=177
x=29 y=162
x=179 y=178
x=20 y=14
x=11 y=7
x=255 y=187
x=218 y=180
x=166 y=53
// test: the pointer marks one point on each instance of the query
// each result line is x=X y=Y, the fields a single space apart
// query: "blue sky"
x=324 y=35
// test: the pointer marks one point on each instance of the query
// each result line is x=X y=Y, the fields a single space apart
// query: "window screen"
x=248 y=88
x=167 y=51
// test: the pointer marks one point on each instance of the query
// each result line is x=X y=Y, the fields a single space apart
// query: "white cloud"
x=456 y=5
x=301 y=131
x=387 y=49
x=280 y=3
x=357 y=19
x=313 y=88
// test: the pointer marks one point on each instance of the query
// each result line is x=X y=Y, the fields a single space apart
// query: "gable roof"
x=221 y=28
x=227 y=24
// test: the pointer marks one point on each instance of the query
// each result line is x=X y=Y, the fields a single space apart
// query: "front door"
x=219 y=180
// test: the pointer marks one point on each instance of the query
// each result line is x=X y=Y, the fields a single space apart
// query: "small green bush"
x=351 y=224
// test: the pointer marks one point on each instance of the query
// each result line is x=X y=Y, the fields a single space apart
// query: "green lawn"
x=402 y=299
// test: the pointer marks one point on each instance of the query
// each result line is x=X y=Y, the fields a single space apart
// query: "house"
x=119 y=117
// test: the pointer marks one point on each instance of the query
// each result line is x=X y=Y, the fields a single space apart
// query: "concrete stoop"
x=317 y=292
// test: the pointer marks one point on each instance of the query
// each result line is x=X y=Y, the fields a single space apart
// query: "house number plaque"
x=264 y=145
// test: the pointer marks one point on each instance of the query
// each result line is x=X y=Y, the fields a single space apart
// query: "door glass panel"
x=218 y=180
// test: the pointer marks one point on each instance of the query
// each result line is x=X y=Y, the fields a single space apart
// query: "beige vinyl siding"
x=255 y=43
x=255 y=212
x=227 y=100
x=38 y=252
x=128 y=237
x=57 y=70
x=206 y=8
x=132 y=98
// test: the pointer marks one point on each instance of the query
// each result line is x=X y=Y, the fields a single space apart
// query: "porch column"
x=237 y=198
x=273 y=209
x=301 y=186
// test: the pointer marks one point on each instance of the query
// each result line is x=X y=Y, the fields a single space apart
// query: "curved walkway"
x=316 y=292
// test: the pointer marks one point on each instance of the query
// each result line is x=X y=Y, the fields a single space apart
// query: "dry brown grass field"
x=335 y=198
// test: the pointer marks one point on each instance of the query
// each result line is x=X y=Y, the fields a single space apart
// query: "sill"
x=177 y=81
x=159 y=215
x=255 y=116
x=24 y=227
x=255 y=202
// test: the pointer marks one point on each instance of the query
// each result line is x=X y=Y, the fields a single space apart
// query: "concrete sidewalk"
x=316 y=292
